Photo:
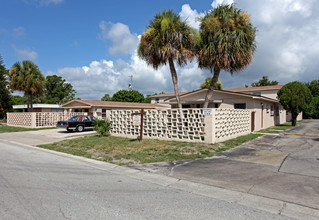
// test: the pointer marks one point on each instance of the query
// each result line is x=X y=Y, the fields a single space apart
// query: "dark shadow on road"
x=238 y=152
x=73 y=131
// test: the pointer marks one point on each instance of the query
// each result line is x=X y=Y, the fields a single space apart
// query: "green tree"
x=57 y=90
x=106 y=97
x=167 y=39
x=5 y=96
x=264 y=82
x=208 y=81
x=27 y=77
x=227 y=42
x=147 y=99
x=312 y=110
x=294 y=97
x=128 y=96
x=314 y=87
x=18 y=100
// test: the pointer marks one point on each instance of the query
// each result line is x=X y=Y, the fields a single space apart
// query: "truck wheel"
x=80 y=128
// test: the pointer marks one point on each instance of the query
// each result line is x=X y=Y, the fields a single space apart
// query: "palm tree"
x=208 y=81
x=167 y=39
x=227 y=43
x=27 y=77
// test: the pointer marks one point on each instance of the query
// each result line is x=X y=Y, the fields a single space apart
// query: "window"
x=157 y=100
x=271 y=110
x=186 y=106
x=216 y=105
x=74 y=118
x=240 y=106
x=256 y=93
x=103 y=113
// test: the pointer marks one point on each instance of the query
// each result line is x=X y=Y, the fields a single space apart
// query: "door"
x=277 y=115
x=252 y=121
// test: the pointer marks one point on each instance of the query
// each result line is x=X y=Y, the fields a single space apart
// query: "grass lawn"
x=124 y=151
x=5 y=128
x=277 y=129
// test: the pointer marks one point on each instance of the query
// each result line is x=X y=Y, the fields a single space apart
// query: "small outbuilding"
x=39 y=108
x=100 y=108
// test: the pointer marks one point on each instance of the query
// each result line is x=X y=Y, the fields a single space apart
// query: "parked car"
x=77 y=123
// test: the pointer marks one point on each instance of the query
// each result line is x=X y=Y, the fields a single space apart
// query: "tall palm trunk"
x=31 y=102
x=211 y=88
x=28 y=100
x=174 y=78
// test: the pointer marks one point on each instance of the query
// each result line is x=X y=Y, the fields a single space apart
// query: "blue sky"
x=92 y=44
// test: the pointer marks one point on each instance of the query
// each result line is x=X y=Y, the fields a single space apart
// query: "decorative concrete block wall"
x=231 y=123
x=183 y=125
x=37 y=119
x=19 y=119
x=169 y=124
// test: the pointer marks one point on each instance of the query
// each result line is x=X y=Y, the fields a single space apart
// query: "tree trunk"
x=174 y=78
x=28 y=100
x=31 y=102
x=294 y=119
x=211 y=88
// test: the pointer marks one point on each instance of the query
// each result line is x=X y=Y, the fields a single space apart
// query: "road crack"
x=282 y=208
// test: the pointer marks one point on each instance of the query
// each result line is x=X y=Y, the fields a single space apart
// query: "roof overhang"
x=173 y=100
x=76 y=107
x=55 y=106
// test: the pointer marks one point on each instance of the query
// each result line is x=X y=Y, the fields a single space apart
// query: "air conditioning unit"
x=99 y=110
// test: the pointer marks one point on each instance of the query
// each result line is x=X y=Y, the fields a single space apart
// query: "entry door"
x=252 y=121
x=277 y=115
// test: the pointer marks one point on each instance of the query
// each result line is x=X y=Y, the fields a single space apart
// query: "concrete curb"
x=257 y=202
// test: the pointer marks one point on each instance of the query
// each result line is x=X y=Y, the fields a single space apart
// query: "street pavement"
x=40 y=184
x=272 y=177
x=282 y=167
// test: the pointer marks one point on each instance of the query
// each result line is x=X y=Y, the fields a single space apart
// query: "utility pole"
x=130 y=85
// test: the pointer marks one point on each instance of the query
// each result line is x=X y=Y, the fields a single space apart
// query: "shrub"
x=102 y=127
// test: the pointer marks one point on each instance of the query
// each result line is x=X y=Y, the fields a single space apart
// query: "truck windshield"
x=74 y=118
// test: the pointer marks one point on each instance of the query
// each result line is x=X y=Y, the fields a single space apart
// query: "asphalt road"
x=37 y=184
x=283 y=167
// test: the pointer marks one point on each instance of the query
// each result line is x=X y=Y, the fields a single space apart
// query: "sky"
x=92 y=44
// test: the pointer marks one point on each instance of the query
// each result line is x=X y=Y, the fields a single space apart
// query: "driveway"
x=283 y=167
x=45 y=136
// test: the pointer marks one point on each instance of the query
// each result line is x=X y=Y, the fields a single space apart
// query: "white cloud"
x=19 y=31
x=101 y=77
x=287 y=50
x=190 y=16
x=287 y=41
x=124 y=42
x=25 y=53
x=221 y=2
x=44 y=2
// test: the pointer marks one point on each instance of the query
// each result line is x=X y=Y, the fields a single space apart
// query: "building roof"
x=228 y=92
x=167 y=95
x=96 y=103
x=255 y=88
x=56 y=106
